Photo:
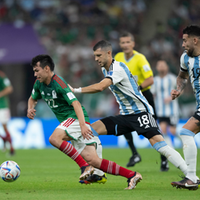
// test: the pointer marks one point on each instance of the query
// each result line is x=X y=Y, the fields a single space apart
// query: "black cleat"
x=94 y=178
x=164 y=166
x=133 y=160
x=185 y=184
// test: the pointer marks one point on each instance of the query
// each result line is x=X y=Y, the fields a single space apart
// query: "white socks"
x=174 y=157
x=190 y=154
x=99 y=153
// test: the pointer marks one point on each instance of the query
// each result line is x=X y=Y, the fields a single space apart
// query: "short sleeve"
x=36 y=92
x=182 y=62
x=6 y=82
x=68 y=95
x=116 y=75
x=145 y=67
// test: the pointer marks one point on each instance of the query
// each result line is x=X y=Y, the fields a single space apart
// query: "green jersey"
x=58 y=97
x=4 y=82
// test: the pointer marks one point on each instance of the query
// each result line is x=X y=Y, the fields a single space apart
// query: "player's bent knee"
x=53 y=140
x=93 y=160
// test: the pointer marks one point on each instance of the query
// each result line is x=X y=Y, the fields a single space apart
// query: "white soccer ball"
x=9 y=171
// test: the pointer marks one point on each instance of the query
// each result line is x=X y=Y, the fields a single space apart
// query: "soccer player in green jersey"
x=74 y=122
x=5 y=89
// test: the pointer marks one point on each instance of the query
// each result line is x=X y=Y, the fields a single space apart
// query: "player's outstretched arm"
x=31 y=105
x=97 y=87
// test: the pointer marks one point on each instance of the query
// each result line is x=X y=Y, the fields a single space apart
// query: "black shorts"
x=149 y=96
x=197 y=115
x=143 y=123
x=170 y=121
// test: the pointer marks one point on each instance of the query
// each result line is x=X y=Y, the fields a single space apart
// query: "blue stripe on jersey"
x=104 y=72
x=135 y=87
x=196 y=79
x=169 y=91
x=186 y=58
x=113 y=87
x=156 y=95
x=162 y=94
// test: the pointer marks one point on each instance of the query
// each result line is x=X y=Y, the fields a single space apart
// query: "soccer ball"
x=9 y=171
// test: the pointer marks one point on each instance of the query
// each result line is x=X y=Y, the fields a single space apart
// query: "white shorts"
x=4 y=115
x=72 y=128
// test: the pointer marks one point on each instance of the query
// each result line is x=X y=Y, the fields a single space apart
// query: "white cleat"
x=133 y=181
x=89 y=170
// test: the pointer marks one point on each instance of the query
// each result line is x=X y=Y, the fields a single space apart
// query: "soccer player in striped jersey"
x=167 y=110
x=143 y=74
x=5 y=89
x=135 y=112
x=74 y=122
x=190 y=68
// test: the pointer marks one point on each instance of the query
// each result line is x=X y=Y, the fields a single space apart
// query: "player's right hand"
x=31 y=113
x=71 y=88
x=175 y=94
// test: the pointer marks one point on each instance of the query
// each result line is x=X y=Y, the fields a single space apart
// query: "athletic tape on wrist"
x=78 y=90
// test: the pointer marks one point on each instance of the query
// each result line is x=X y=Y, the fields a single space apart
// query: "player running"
x=74 y=122
x=135 y=112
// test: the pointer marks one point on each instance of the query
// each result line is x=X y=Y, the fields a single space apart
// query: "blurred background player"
x=5 y=89
x=167 y=110
x=142 y=72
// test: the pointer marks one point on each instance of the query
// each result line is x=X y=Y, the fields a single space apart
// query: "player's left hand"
x=86 y=132
x=175 y=94
x=31 y=113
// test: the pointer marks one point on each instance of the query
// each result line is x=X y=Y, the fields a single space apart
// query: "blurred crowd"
x=69 y=28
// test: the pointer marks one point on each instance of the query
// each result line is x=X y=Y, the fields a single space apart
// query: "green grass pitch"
x=49 y=174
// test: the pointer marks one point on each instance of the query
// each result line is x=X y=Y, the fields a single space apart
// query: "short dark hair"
x=103 y=44
x=44 y=61
x=127 y=34
x=192 y=30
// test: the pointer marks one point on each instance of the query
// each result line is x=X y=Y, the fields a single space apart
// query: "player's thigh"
x=172 y=130
x=193 y=125
x=163 y=127
x=4 y=116
x=59 y=134
x=155 y=139
x=99 y=127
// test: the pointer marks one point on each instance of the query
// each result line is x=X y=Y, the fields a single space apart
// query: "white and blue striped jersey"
x=192 y=66
x=161 y=90
x=125 y=90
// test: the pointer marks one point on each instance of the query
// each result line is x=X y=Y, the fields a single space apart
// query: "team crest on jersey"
x=54 y=95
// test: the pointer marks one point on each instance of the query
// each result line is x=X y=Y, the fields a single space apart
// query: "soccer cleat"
x=94 y=178
x=133 y=160
x=185 y=184
x=89 y=170
x=133 y=181
x=164 y=166
x=12 y=152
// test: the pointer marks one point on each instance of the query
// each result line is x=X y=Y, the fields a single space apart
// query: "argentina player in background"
x=167 y=109
x=135 y=111
x=190 y=68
